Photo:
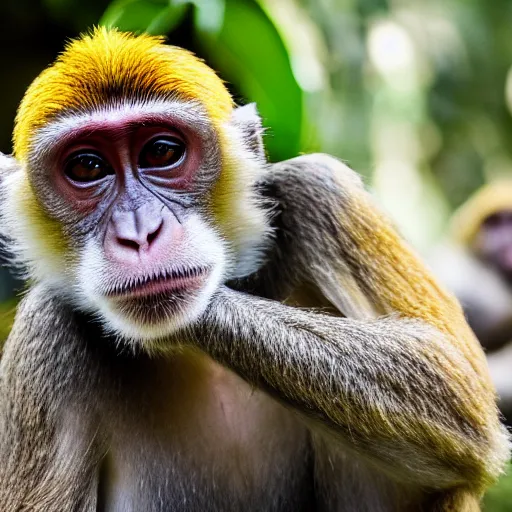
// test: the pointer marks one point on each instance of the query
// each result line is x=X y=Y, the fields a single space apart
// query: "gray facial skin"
x=379 y=401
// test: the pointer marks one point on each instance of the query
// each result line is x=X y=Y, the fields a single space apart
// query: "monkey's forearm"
x=385 y=387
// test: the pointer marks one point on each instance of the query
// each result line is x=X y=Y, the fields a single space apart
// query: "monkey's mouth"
x=162 y=284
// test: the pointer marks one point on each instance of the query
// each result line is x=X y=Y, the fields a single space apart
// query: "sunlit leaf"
x=249 y=53
x=499 y=497
x=152 y=16
x=162 y=16
x=169 y=18
x=209 y=15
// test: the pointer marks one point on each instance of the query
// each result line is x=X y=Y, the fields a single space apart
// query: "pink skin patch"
x=164 y=285
x=142 y=238
x=119 y=142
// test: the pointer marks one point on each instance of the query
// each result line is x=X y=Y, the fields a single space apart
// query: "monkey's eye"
x=87 y=167
x=498 y=219
x=161 y=152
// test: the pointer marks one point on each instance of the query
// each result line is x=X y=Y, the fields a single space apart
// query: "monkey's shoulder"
x=50 y=339
x=317 y=168
x=44 y=311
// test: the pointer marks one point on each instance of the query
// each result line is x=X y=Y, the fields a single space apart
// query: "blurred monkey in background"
x=477 y=267
x=163 y=358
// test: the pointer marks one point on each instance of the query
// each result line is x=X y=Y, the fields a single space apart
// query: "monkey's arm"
x=393 y=389
x=412 y=390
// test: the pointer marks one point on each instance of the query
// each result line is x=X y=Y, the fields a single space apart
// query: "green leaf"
x=152 y=16
x=209 y=15
x=249 y=52
x=167 y=20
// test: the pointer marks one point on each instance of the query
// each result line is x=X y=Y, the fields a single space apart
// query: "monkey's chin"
x=148 y=319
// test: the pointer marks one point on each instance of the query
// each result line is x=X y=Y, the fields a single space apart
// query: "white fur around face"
x=34 y=255
x=202 y=247
x=189 y=112
x=248 y=224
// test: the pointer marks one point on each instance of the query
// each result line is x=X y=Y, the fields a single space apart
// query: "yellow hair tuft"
x=107 y=65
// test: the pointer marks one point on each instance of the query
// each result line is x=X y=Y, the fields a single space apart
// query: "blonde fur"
x=107 y=65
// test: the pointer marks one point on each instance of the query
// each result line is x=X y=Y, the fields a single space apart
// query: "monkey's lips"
x=157 y=299
x=163 y=284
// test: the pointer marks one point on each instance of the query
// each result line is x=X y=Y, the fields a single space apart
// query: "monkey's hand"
x=410 y=391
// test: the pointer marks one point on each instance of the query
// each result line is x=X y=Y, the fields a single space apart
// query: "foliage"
x=7 y=309
x=499 y=498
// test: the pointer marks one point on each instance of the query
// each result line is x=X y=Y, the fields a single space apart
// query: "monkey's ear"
x=249 y=121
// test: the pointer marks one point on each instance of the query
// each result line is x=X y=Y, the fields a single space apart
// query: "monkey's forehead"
x=107 y=65
x=181 y=114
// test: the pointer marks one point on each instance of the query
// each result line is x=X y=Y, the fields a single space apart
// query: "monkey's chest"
x=205 y=441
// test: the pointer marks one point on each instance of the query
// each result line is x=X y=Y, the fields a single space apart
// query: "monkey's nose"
x=140 y=241
x=136 y=230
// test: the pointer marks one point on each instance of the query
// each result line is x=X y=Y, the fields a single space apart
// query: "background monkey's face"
x=493 y=242
x=140 y=203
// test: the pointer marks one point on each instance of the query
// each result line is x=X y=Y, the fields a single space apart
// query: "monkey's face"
x=135 y=192
x=493 y=242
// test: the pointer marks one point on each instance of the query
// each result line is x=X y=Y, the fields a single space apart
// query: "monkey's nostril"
x=130 y=244
x=153 y=236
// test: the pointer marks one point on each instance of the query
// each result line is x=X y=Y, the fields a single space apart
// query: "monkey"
x=207 y=331
x=477 y=266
